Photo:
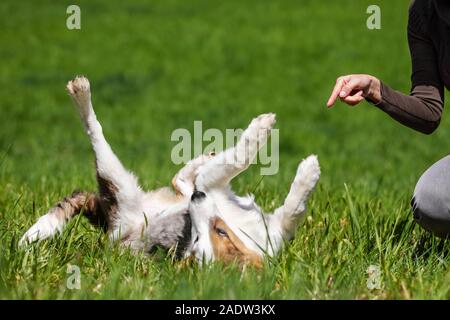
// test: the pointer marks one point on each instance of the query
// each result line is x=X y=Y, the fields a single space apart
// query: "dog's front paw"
x=264 y=122
x=308 y=172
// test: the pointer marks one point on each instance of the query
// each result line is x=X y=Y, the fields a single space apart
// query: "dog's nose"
x=197 y=195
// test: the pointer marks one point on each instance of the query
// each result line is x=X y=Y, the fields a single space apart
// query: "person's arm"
x=422 y=109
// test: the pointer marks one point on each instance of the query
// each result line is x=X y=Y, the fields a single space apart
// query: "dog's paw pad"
x=78 y=86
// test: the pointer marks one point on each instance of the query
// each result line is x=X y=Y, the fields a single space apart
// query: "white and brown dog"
x=203 y=218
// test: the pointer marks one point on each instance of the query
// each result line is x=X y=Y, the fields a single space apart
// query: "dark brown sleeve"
x=422 y=109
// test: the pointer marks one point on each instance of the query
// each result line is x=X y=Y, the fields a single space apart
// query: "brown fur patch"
x=80 y=202
x=229 y=247
x=175 y=186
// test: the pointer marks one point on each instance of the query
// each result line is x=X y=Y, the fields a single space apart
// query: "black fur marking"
x=107 y=199
x=170 y=231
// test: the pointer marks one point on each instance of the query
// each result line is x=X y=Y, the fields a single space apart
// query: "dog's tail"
x=57 y=217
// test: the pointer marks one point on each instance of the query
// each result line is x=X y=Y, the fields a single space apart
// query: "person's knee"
x=431 y=201
x=434 y=219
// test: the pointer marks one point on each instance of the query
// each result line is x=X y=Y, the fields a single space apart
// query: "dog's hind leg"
x=289 y=216
x=56 y=218
x=119 y=193
x=220 y=170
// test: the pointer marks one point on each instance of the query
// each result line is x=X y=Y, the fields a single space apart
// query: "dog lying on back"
x=203 y=218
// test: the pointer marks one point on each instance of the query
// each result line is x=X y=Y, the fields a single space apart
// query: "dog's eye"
x=221 y=232
x=196 y=240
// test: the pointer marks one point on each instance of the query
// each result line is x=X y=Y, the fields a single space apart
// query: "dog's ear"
x=228 y=247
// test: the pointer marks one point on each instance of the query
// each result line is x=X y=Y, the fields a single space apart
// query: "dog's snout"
x=198 y=195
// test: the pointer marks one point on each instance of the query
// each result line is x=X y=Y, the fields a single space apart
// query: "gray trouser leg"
x=431 y=201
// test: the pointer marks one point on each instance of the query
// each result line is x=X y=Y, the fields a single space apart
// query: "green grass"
x=158 y=66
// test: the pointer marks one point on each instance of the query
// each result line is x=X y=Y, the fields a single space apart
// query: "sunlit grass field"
x=156 y=66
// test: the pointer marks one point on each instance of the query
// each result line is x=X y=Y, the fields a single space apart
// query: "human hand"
x=352 y=89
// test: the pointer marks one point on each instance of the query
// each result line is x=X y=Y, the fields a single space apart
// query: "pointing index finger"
x=337 y=88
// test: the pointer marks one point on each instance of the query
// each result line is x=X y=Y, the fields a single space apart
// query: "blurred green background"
x=155 y=66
